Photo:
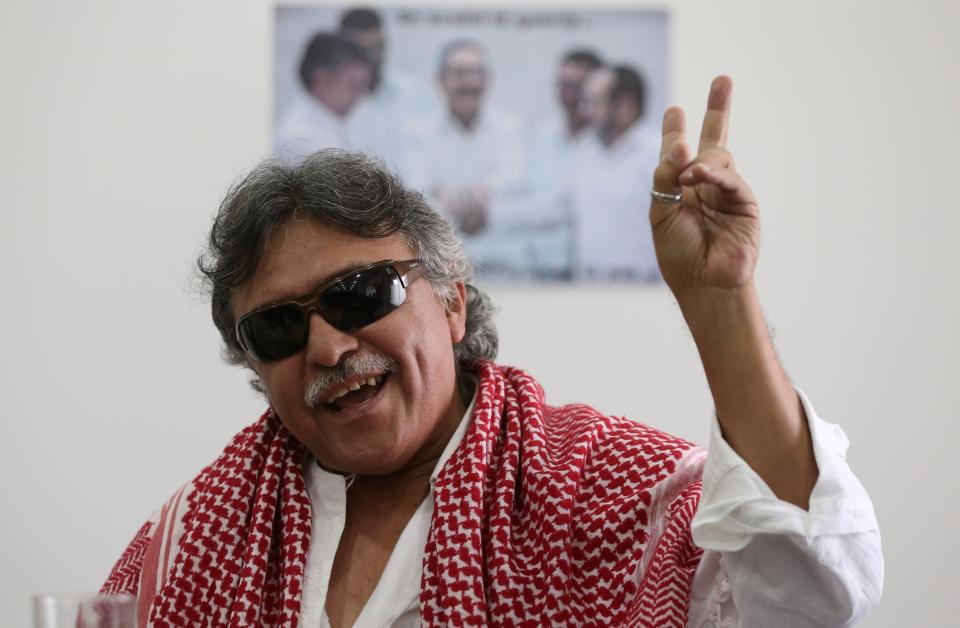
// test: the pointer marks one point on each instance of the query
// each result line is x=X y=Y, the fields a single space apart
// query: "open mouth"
x=355 y=393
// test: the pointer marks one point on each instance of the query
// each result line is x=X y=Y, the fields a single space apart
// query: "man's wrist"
x=734 y=344
x=713 y=313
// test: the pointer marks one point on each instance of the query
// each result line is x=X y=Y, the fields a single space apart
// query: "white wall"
x=122 y=123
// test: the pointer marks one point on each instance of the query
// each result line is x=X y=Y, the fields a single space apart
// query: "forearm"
x=757 y=407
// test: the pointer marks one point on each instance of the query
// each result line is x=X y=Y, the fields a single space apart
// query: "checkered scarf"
x=543 y=516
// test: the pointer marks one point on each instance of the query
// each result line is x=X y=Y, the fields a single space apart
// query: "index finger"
x=716 y=121
x=673 y=129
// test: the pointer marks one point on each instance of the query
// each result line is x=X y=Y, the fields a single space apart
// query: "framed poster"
x=536 y=132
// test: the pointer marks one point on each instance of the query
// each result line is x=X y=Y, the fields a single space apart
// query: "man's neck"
x=410 y=485
x=575 y=126
x=378 y=510
x=610 y=135
x=325 y=108
x=466 y=121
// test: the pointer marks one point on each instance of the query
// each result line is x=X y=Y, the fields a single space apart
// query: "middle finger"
x=716 y=121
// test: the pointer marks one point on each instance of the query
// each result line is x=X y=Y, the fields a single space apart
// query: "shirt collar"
x=634 y=138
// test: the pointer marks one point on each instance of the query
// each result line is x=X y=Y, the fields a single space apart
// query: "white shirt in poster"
x=306 y=127
x=544 y=214
x=610 y=202
x=443 y=155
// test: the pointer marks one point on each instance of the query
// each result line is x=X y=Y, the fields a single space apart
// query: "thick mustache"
x=367 y=364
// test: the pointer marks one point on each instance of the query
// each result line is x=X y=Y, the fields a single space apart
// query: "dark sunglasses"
x=348 y=302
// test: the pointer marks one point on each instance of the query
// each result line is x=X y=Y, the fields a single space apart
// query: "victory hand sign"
x=710 y=238
x=706 y=231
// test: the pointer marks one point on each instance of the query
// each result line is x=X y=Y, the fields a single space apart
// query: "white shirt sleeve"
x=768 y=562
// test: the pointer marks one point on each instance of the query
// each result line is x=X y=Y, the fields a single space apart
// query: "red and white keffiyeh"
x=543 y=516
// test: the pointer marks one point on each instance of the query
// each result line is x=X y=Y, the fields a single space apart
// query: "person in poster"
x=469 y=156
x=585 y=217
x=378 y=122
x=335 y=74
x=608 y=173
x=544 y=212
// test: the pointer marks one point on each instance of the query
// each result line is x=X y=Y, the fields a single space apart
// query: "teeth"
x=339 y=392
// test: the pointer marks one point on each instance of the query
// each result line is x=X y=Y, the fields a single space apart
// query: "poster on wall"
x=535 y=132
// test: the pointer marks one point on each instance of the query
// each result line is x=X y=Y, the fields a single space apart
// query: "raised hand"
x=710 y=237
x=706 y=230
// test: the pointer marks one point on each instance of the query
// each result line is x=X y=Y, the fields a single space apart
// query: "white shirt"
x=610 y=196
x=306 y=127
x=442 y=153
x=766 y=562
x=551 y=149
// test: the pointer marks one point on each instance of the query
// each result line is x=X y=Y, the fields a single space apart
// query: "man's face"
x=411 y=414
x=374 y=44
x=595 y=100
x=570 y=79
x=464 y=81
x=371 y=40
x=340 y=88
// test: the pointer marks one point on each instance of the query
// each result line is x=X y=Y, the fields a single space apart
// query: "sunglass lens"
x=362 y=298
x=275 y=333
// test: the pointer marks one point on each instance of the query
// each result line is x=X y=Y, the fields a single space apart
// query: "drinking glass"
x=84 y=610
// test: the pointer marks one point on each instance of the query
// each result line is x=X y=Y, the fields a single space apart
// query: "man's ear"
x=457 y=312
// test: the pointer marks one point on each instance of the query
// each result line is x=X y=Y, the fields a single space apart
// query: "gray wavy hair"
x=349 y=191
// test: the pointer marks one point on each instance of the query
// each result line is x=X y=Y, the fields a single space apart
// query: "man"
x=543 y=214
x=574 y=69
x=401 y=477
x=335 y=74
x=377 y=122
x=365 y=28
x=607 y=176
x=557 y=136
x=471 y=155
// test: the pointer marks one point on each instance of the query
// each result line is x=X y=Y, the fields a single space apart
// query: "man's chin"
x=467 y=110
x=373 y=464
